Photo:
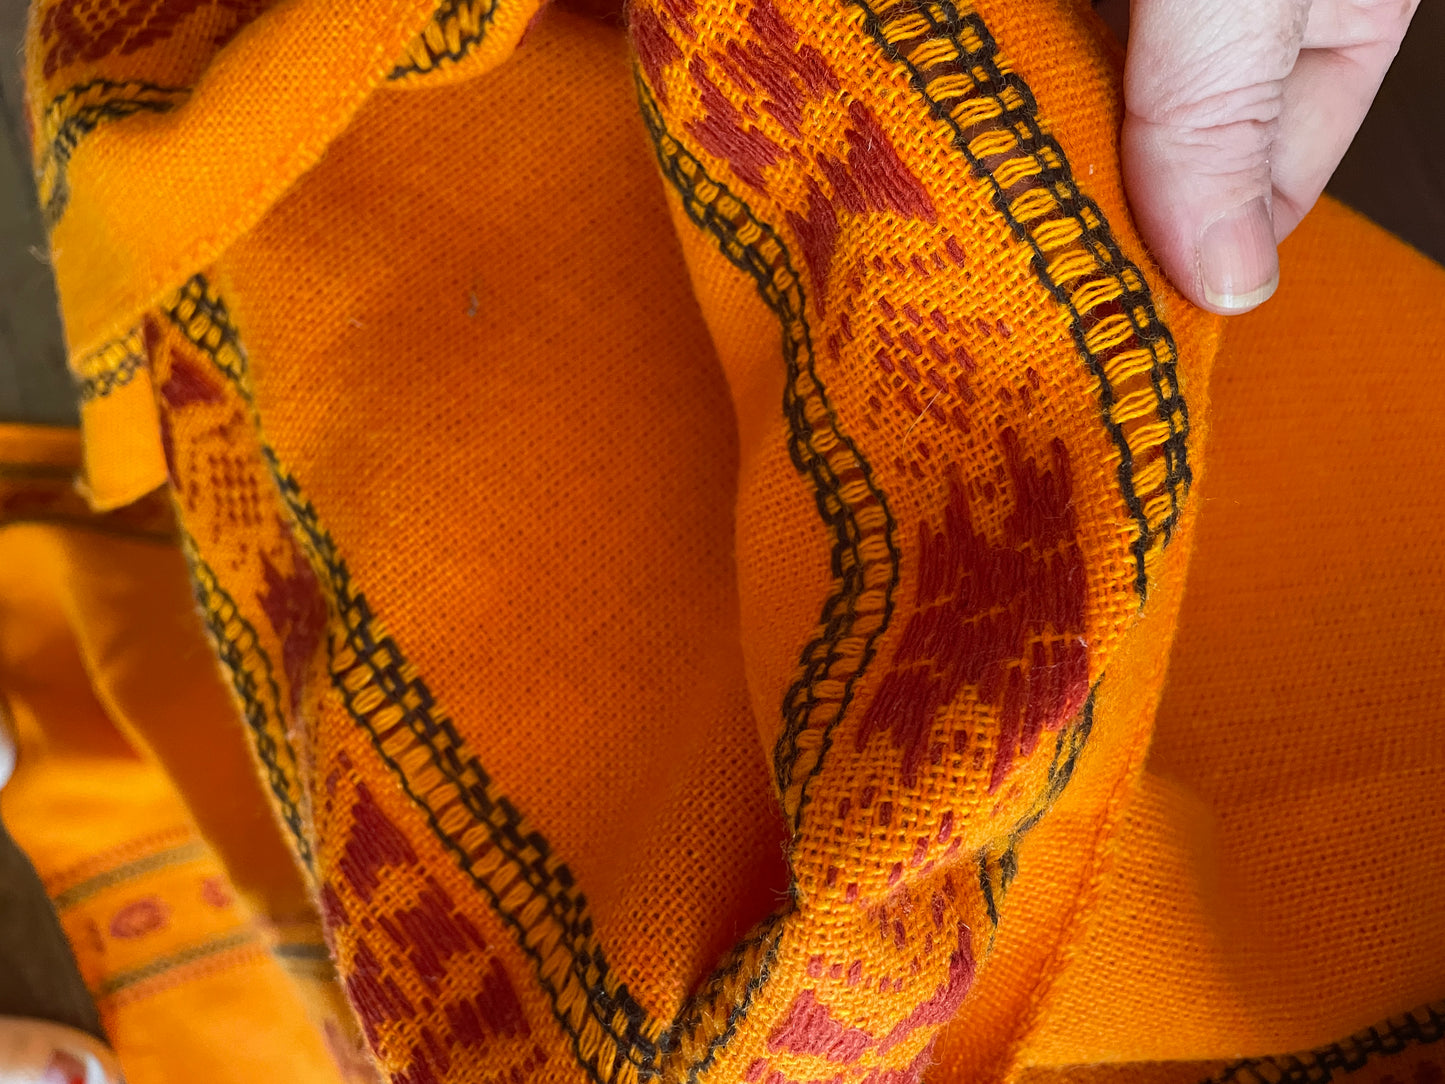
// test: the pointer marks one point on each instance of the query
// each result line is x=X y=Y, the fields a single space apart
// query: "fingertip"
x=1213 y=235
x=1237 y=259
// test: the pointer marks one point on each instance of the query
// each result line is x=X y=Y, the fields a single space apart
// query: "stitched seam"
x=112 y=366
x=1421 y=1027
x=754 y=958
x=861 y=605
x=93 y=886
x=249 y=671
x=116 y=983
x=455 y=30
x=1068 y=747
x=397 y=711
x=1113 y=319
x=393 y=706
x=125 y=853
x=73 y=115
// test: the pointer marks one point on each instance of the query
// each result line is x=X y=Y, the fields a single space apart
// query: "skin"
x=1237 y=112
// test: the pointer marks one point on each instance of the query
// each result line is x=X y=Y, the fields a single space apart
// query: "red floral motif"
x=809 y=1028
x=772 y=71
x=188 y=383
x=296 y=610
x=216 y=892
x=80 y=31
x=139 y=918
x=655 y=47
x=1005 y=620
x=374 y=844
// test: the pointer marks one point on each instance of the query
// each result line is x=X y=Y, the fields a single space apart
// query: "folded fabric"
x=696 y=522
x=191 y=927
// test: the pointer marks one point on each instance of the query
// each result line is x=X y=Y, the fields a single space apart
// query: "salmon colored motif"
x=84 y=31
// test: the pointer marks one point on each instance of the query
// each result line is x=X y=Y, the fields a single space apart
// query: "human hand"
x=1237 y=112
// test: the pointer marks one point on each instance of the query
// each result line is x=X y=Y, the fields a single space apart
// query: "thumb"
x=1204 y=92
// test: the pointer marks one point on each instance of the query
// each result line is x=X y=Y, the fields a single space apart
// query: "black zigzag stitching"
x=1068 y=747
x=808 y=410
x=623 y=1021
x=713 y=207
x=82 y=109
x=972 y=96
x=596 y=1001
x=721 y=988
x=250 y=674
x=454 y=31
x=1319 y=1066
x=111 y=367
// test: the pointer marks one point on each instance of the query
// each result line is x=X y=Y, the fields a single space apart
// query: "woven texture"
x=696 y=524
x=189 y=923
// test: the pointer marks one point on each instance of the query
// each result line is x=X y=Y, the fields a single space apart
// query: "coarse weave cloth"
x=730 y=560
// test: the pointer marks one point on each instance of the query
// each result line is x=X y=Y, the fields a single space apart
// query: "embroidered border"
x=486 y=833
x=1068 y=747
x=532 y=891
x=735 y=983
x=955 y=66
x=112 y=366
x=172 y=856
x=457 y=27
x=71 y=116
x=755 y=248
x=202 y=318
x=1421 y=1027
x=249 y=671
x=858 y=611
x=204 y=951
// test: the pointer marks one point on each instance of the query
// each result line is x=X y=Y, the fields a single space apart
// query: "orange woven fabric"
x=696 y=522
x=190 y=925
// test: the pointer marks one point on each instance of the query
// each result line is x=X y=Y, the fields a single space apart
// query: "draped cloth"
x=730 y=561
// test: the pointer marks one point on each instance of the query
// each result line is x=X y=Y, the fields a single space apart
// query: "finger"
x=1325 y=99
x=1343 y=24
x=1348 y=46
x=1204 y=91
x=39 y=1052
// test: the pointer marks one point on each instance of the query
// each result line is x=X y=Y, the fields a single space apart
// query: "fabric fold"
x=695 y=523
